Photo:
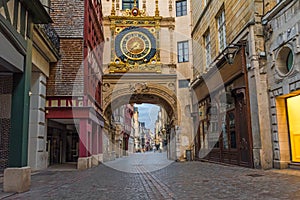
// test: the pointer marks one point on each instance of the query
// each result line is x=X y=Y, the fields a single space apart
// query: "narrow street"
x=172 y=180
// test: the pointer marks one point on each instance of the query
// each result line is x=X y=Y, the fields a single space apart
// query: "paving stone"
x=187 y=180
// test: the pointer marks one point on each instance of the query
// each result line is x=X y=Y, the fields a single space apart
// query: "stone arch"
x=119 y=94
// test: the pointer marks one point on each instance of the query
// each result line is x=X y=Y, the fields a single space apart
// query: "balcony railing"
x=51 y=35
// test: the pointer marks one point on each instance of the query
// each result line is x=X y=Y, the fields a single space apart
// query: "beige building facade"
x=230 y=83
x=160 y=76
x=45 y=52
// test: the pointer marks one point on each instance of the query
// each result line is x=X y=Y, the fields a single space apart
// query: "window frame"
x=221 y=23
x=183 y=83
x=180 y=4
x=207 y=47
x=183 y=51
x=290 y=61
x=130 y=4
x=285 y=60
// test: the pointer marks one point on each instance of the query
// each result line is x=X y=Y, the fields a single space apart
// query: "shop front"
x=283 y=75
x=293 y=110
x=62 y=146
x=224 y=133
x=74 y=135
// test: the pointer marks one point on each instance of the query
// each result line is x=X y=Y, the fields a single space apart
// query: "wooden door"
x=243 y=134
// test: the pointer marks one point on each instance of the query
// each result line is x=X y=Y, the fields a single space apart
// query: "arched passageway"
x=126 y=89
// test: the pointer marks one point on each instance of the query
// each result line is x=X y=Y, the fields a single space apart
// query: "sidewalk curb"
x=4 y=195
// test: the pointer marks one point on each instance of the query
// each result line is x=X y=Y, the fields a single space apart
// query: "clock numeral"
x=146 y=50
x=143 y=54
x=147 y=46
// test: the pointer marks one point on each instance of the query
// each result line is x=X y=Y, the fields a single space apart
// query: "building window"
x=221 y=30
x=183 y=83
x=285 y=60
x=183 y=51
x=207 y=49
x=128 y=4
x=181 y=8
x=289 y=61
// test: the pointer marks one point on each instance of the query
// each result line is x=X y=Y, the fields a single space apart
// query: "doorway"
x=62 y=146
x=293 y=109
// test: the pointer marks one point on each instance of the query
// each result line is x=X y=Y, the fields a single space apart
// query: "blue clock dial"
x=135 y=45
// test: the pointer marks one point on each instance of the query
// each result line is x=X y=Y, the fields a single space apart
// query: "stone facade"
x=118 y=141
x=282 y=28
x=45 y=52
x=167 y=79
x=136 y=130
x=243 y=32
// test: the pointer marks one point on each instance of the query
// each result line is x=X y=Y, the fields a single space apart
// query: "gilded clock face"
x=135 y=45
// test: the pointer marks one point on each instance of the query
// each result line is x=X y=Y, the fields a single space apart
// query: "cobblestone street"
x=172 y=180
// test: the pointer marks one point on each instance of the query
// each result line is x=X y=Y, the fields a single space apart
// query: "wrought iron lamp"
x=230 y=53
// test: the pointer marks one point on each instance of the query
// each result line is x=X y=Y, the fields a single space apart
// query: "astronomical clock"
x=135 y=47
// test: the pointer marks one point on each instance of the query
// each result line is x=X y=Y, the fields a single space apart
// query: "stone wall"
x=282 y=31
x=237 y=15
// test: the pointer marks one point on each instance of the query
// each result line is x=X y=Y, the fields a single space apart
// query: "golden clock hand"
x=134 y=46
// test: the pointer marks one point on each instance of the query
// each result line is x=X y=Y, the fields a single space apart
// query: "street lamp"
x=230 y=53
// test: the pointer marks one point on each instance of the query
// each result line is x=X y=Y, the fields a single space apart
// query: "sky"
x=148 y=114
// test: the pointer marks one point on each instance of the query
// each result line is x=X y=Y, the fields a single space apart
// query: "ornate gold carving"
x=118 y=5
x=125 y=67
x=134 y=13
x=113 y=11
x=118 y=30
x=144 y=5
x=156 y=8
x=170 y=5
x=152 y=30
x=112 y=25
x=130 y=22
